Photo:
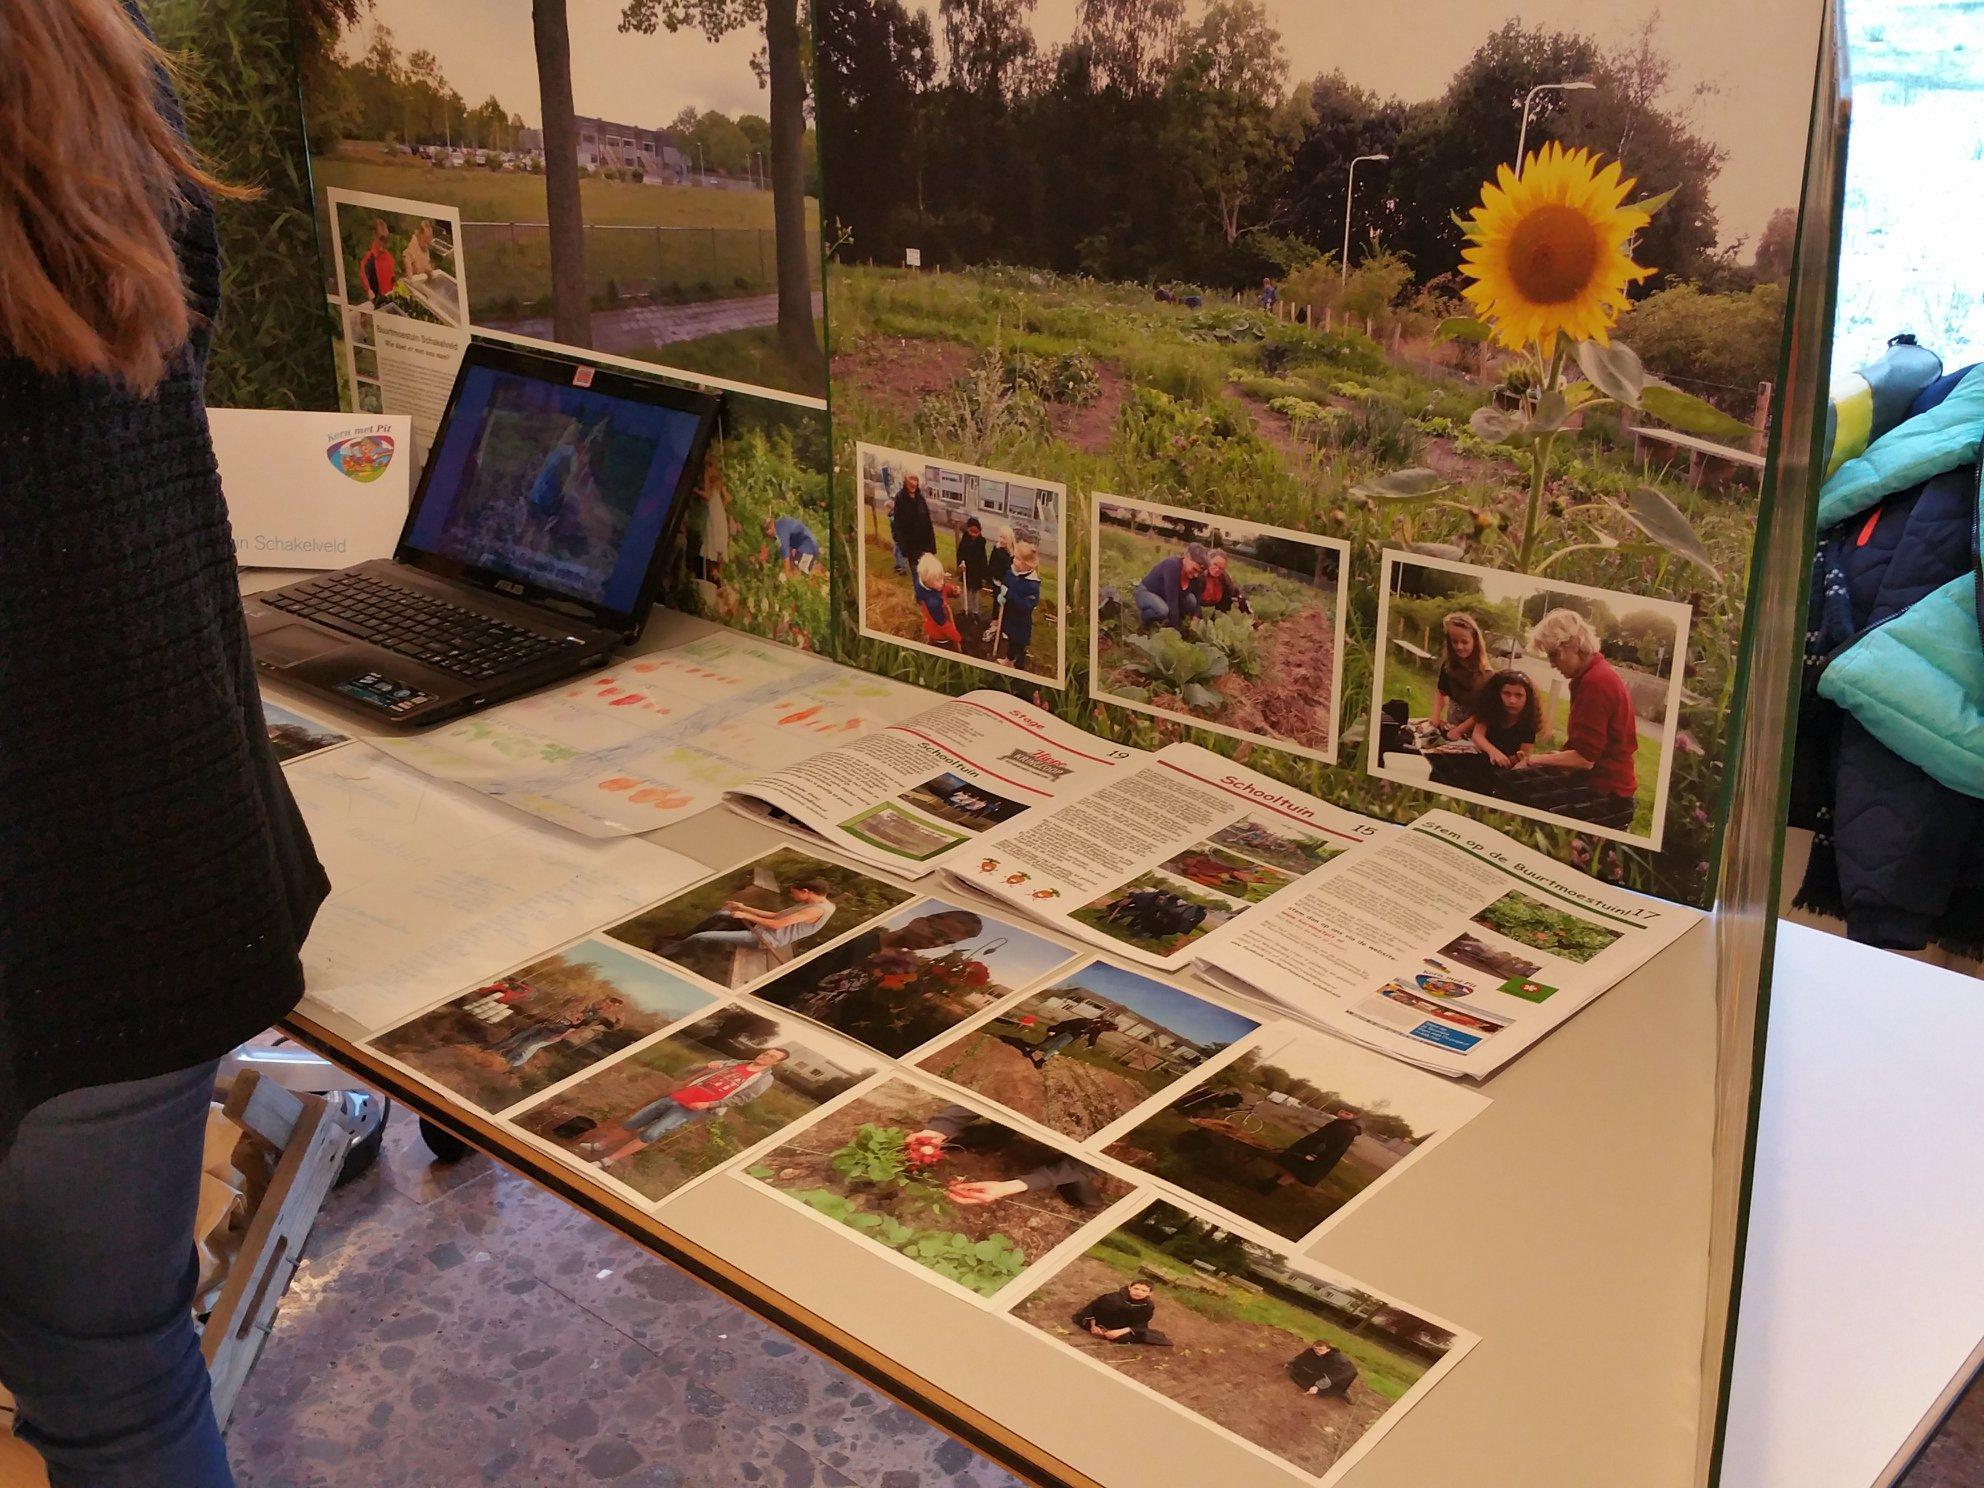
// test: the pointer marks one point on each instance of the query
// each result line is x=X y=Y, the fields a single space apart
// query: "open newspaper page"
x=1156 y=860
x=918 y=795
x=1445 y=944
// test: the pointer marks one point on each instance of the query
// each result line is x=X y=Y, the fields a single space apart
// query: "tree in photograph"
x=571 y=312
x=877 y=60
x=784 y=73
x=1130 y=45
x=1229 y=131
x=987 y=46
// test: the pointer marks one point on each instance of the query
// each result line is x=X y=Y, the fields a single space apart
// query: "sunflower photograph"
x=1502 y=288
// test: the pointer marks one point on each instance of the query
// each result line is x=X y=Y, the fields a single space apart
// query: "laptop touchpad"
x=287 y=645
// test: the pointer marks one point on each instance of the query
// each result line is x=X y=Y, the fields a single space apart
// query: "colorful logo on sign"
x=363 y=457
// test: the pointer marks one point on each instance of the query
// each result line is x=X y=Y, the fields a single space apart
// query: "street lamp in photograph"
x=1343 y=268
x=1529 y=102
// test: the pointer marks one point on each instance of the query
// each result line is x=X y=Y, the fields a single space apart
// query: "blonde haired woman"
x=155 y=879
x=1601 y=737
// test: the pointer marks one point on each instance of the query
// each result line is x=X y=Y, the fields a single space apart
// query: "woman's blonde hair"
x=93 y=182
x=1559 y=626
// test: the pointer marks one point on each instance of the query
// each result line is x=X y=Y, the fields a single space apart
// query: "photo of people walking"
x=962 y=561
x=1297 y=1127
x=674 y=1109
x=1089 y=1049
x=504 y=1041
x=1303 y=1365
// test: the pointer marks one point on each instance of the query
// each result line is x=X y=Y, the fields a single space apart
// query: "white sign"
x=312 y=490
x=912 y=258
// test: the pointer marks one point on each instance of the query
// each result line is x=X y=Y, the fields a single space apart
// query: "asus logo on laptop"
x=508 y=586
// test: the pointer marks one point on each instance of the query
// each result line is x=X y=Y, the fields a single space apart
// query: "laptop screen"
x=565 y=488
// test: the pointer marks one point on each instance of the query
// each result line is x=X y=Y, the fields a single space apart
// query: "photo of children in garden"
x=962 y=803
x=1232 y=625
x=674 y=1109
x=1294 y=1129
x=1307 y=1367
x=1158 y=913
x=1549 y=700
x=504 y=1041
x=755 y=534
x=1277 y=841
x=912 y=977
x=939 y=1182
x=398 y=257
x=1195 y=328
x=1089 y=1049
x=962 y=561
x=741 y=926
x=1558 y=931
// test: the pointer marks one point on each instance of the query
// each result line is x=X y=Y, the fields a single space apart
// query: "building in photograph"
x=1135 y=1040
x=606 y=143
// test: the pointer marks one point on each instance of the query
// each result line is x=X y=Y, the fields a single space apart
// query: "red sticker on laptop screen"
x=582 y=377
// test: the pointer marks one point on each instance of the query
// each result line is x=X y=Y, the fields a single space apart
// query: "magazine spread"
x=1445 y=944
x=920 y=794
x=1153 y=862
x=656 y=738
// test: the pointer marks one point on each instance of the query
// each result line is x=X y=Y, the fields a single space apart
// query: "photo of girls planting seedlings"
x=1504 y=288
x=672 y=1110
x=963 y=562
x=1234 y=626
x=1549 y=700
x=506 y=1040
x=939 y=1182
x=1305 y=1366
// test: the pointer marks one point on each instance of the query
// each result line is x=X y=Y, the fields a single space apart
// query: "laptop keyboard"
x=416 y=625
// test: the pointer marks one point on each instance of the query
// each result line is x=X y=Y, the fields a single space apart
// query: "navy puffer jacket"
x=1896 y=854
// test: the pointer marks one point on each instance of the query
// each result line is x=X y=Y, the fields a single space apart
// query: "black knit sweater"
x=156 y=880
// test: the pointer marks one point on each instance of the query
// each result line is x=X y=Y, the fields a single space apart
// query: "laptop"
x=532 y=550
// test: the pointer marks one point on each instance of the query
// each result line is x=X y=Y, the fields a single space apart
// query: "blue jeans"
x=97 y=1272
x=1152 y=609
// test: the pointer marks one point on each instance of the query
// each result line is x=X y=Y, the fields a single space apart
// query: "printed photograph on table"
x=963 y=562
x=504 y=1041
x=896 y=830
x=693 y=237
x=292 y=735
x=940 y=1183
x=741 y=926
x=674 y=1109
x=1295 y=1129
x=1479 y=955
x=1305 y=1366
x=397 y=257
x=1228 y=624
x=1349 y=307
x=962 y=803
x=1159 y=912
x=1549 y=700
x=1550 y=928
x=1091 y=1048
x=914 y=976
x=755 y=536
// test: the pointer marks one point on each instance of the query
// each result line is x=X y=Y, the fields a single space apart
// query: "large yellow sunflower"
x=1547 y=250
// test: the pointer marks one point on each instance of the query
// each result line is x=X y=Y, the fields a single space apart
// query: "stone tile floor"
x=455 y=1326
x=1954 y=1457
